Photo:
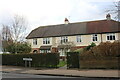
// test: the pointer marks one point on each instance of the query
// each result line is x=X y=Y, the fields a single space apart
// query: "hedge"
x=38 y=60
x=73 y=60
x=99 y=63
x=106 y=55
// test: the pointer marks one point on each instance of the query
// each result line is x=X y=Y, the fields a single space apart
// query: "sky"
x=52 y=12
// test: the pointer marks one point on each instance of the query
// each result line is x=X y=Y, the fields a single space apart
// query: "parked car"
x=6 y=52
x=1 y=52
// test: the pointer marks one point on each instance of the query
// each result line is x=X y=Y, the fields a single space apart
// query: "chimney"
x=66 y=21
x=108 y=16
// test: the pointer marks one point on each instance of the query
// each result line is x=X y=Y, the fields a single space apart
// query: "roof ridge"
x=74 y=23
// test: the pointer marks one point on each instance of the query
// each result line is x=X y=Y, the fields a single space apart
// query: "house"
x=45 y=39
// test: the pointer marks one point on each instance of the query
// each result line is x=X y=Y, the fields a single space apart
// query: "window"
x=78 y=38
x=45 y=51
x=63 y=51
x=46 y=40
x=111 y=36
x=64 y=39
x=94 y=38
x=34 y=41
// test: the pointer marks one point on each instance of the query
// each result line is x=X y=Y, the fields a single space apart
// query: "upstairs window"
x=111 y=36
x=94 y=38
x=64 y=39
x=46 y=40
x=78 y=38
x=34 y=41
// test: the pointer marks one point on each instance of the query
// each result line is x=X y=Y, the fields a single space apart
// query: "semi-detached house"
x=45 y=39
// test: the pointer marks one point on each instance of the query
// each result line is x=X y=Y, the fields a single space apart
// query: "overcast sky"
x=51 y=12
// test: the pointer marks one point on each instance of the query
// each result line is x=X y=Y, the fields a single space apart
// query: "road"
x=15 y=76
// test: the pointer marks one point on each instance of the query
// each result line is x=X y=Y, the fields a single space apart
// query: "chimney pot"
x=108 y=16
x=66 y=21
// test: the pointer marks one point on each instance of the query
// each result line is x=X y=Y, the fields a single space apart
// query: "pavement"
x=98 y=73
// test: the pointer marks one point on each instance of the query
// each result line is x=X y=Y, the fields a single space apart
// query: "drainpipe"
x=101 y=38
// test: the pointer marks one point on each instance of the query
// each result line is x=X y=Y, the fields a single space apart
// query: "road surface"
x=16 y=76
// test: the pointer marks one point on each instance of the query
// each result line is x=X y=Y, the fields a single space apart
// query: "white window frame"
x=95 y=37
x=64 y=39
x=78 y=39
x=41 y=51
x=110 y=35
x=35 y=42
x=45 y=51
x=46 y=40
x=62 y=53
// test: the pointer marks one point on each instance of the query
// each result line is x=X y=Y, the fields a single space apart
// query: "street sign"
x=27 y=59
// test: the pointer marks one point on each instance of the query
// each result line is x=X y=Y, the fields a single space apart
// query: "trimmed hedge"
x=104 y=56
x=73 y=60
x=38 y=60
x=99 y=63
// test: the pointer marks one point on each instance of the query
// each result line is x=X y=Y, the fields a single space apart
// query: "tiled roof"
x=90 y=27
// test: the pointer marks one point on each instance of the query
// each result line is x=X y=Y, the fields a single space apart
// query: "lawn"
x=62 y=63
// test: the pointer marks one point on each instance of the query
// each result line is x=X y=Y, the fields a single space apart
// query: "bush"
x=19 y=48
x=105 y=49
x=90 y=46
x=38 y=60
x=105 y=63
x=73 y=59
x=79 y=50
x=105 y=55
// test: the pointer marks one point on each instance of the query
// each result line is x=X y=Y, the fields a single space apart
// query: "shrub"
x=79 y=50
x=73 y=59
x=104 y=49
x=38 y=60
x=105 y=55
x=19 y=48
x=90 y=46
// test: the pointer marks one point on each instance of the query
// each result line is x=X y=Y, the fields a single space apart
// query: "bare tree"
x=18 y=28
x=6 y=33
x=115 y=10
x=6 y=37
x=15 y=32
x=0 y=42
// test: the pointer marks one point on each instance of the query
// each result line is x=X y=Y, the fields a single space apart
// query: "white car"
x=1 y=52
x=4 y=52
